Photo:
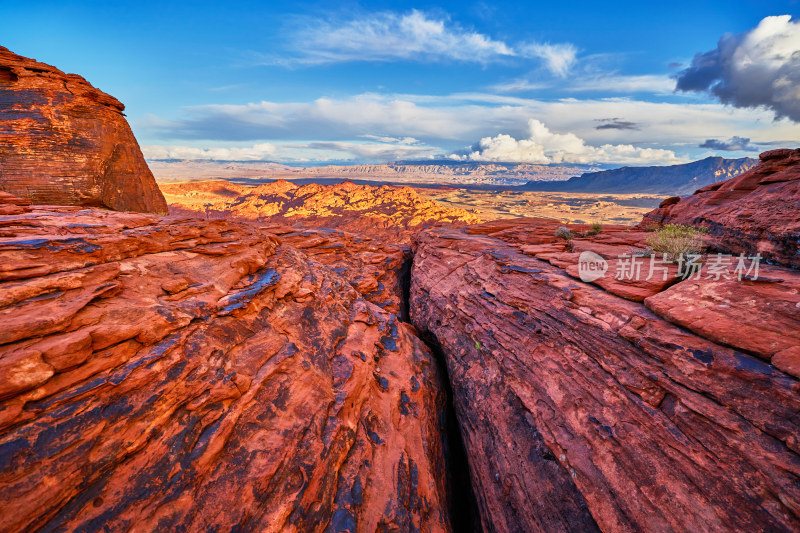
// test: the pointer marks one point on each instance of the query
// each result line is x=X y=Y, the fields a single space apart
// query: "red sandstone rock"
x=67 y=143
x=760 y=316
x=13 y=205
x=387 y=213
x=378 y=271
x=581 y=410
x=755 y=212
x=168 y=374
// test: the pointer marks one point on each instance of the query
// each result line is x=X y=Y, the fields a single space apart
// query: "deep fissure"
x=462 y=506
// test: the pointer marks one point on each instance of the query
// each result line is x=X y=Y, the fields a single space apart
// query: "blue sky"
x=544 y=82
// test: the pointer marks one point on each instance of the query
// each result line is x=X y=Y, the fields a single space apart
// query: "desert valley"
x=411 y=345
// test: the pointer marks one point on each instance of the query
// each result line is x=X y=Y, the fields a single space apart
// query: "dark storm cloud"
x=757 y=68
x=732 y=144
x=616 y=124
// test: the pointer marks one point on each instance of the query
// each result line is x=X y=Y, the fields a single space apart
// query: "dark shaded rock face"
x=583 y=410
x=63 y=142
x=755 y=212
x=178 y=374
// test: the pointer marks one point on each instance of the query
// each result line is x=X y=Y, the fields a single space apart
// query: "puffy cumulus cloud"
x=257 y=152
x=545 y=146
x=760 y=67
x=731 y=145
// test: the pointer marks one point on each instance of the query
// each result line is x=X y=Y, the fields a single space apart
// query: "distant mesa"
x=68 y=143
x=678 y=180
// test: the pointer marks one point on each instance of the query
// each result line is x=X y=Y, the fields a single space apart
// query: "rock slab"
x=64 y=142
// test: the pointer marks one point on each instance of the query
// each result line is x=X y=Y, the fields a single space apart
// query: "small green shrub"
x=595 y=230
x=675 y=240
x=563 y=232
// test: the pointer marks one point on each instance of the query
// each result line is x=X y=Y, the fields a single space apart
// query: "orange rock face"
x=582 y=410
x=755 y=212
x=67 y=143
x=165 y=374
x=379 y=272
x=387 y=213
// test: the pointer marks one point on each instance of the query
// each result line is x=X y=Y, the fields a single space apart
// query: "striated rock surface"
x=582 y=410
x=755 y=212
x=387 y=213
x=379 y=272
x=68 y=143
x=178 y=374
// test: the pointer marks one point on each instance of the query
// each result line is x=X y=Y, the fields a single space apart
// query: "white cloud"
x=760 y=67
x=257 y=152
x=391 y=36
x=558 y=58
x=603 y=82
x=618 y=83
x=412 y=36
x=545 y=146
x=453 y=121
x=296 y=152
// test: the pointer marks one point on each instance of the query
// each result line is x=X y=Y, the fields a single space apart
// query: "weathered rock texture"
x=755 y=212
x=63 y=142
x=582 y=410
x=387 y=213
x=172 y=374
x=379 y=272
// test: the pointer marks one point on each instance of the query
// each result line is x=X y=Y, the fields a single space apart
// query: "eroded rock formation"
x=179 y=374
x=583 y=410
x=387 y=213
x=68 y=143
x=755 y=212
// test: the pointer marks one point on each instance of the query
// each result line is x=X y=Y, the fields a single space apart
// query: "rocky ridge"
x=596 y=406
x=755 y=212
x=388 y=213
x=68 y=143
x=165 y=372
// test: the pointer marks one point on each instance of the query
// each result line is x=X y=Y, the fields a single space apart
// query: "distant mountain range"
x=443 y=172
x=678 y=180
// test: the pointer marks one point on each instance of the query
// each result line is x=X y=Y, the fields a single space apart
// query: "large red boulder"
x=583 y=410
x=65 y=142
x=189 y=375
x=755 y=212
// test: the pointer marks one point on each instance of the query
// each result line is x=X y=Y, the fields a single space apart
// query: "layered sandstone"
x=378 y=271
x=180 y=374
x=65 y=142
x=584 y=410
x=387 y=213
x=755 y=212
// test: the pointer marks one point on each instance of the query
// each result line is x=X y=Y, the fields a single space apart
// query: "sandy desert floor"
x=579 y=208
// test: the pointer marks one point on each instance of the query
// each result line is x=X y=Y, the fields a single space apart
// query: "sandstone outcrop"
x=583 y=410
x=180 y=374
x=68 y=143
x=387 y=213
x=755 y=212
x=379 y=272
